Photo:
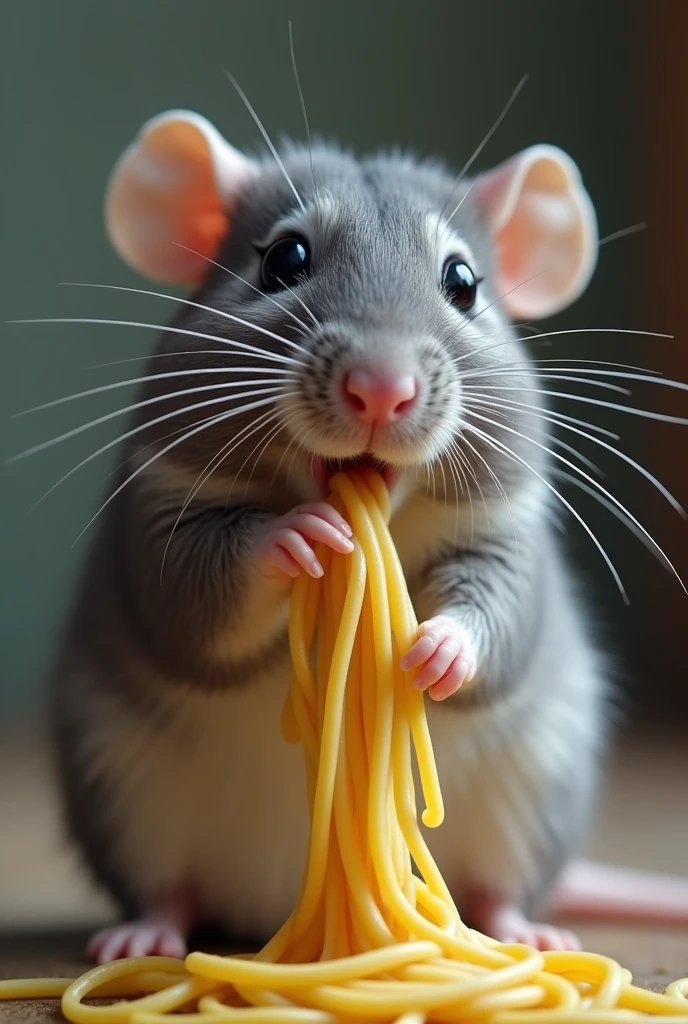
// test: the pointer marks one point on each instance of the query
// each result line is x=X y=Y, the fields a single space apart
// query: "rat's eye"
x=460 y=284
x=284 y=263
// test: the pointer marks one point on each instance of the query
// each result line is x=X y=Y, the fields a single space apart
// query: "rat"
x=344 y=311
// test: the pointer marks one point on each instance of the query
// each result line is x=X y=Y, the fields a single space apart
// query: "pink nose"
x=379 y=397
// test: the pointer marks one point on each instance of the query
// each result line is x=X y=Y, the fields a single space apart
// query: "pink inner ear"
x=546 y=231
x=175 y=186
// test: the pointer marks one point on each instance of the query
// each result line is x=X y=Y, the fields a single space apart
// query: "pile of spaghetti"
x=375 y=935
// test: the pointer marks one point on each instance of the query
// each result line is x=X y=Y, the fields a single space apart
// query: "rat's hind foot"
x=505 y=922
x=136 y=938
x=161 y=932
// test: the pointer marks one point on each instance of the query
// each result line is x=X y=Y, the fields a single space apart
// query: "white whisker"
x=585 y=476
x=302 y=101
x=140 y=405
x=571 y=379
x=264 y=295
x=268 y=141
x=150 y=423
x=173 y=444
x=500 y=446
x=159 y=376
x=558 y=334
x=586 y=400
x=258 y=353
x=575 y=367
x=189 y=302
x=500 y=489
x=551 y=415
x=486 y=138
x=208 y=471
x=165 y=355
x=676 y=505
x=623 y=233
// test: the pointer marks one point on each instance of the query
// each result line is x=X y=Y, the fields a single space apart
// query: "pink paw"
x=444 y=656
x=508 y=925
x=136 y=938
x=286 y=547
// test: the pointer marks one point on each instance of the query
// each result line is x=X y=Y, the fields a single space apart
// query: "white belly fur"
x=222 y=802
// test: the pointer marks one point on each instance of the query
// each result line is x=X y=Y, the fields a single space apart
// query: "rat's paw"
x=286 y=546
x=443 y=655
x=508 y=925
x=136 y=938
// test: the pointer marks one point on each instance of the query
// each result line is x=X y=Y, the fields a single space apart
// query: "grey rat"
x=344 y=310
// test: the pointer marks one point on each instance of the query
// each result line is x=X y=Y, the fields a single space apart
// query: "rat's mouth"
x=325 y=469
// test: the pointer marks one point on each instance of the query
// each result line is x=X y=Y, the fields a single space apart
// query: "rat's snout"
x=379 y=397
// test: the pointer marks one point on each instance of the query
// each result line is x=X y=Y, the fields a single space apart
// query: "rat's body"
x=169 y=687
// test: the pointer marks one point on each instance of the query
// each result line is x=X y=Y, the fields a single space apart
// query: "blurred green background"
x=79 y=78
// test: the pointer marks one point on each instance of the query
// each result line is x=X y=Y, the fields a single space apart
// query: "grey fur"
x=140 y=639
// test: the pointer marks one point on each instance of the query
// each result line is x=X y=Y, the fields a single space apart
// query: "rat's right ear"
x=178 y=182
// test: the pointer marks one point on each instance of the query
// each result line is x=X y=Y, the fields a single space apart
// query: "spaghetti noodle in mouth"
x=375 y=935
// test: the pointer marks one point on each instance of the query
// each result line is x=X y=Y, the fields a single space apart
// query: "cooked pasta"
x=375 y=935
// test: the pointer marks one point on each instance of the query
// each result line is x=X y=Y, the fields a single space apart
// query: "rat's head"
x=376 y=289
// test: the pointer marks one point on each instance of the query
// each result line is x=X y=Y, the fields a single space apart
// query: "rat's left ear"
x=178 y=182
x=545 y=227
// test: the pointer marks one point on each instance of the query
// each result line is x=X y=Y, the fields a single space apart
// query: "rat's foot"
x=162 y=932
x=505 y=922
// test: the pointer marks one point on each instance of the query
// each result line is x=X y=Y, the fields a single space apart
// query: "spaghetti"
x=375 y=935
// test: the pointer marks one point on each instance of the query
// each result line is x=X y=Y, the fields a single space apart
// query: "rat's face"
x=384 y=301
x=361 y=302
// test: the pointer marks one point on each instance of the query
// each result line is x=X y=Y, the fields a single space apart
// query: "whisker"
x=480 y=492
x=558 y=334
x=500 y=489
x=207 y=472
x=460 y=203
x=591 y=480
x=230 y=342
x=486 y=138
x=157 y=376
x=187 y=302
x=458 y=477
x=150 y=423
x=676 y=505
x=505 y=407
x=265 y=442
x=164 y=355
x=623 y=233
x=140 y=451
x=575 y=365
x=570 y=478
x=248 y=284
x=300 y=446
x=558 y=373
x=553 y=416
x=586 y=400
x=444 y=478
x=573 y=380
x=140 y=405
x=268 y=141
x=302 y=101
x=499 y=298
x=173 y=444
x=500 y=446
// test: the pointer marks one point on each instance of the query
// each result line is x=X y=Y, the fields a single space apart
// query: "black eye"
x=459 y=284
x=284 y=263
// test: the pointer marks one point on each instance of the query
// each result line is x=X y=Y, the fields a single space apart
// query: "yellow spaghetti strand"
x=370 y=940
